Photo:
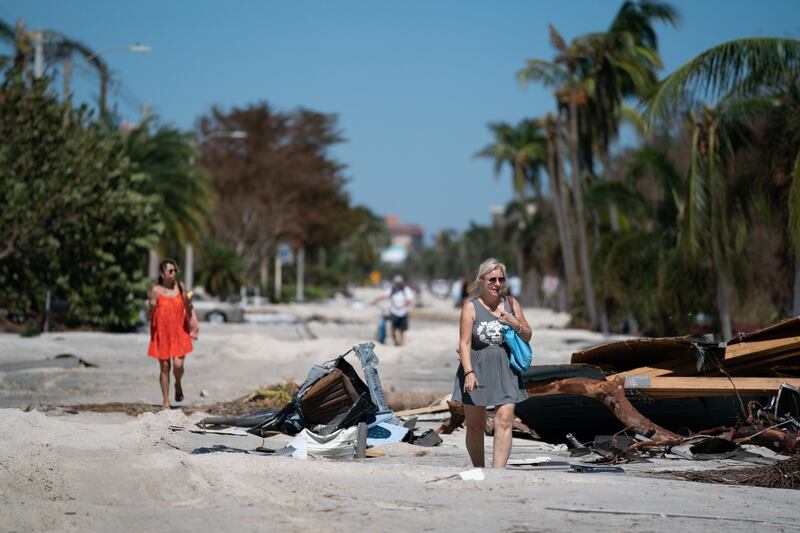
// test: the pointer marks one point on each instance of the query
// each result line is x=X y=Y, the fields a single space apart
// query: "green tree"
x=279 y=185
x=73 y=220
x=220 y=269
x=360 y=251
x=165 y=156
x=727 y=73
x=524 y=149
x=642 y=268
x=563 y=75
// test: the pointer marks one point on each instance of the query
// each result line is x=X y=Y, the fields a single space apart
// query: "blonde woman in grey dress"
x=485 y=376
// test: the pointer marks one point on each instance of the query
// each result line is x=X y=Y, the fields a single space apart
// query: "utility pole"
x=301 y=263
x=278 y=275
x=67 y=97
x=38 y=54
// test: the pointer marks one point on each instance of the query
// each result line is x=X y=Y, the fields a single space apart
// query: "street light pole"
x=38 y=54
x=188 y=278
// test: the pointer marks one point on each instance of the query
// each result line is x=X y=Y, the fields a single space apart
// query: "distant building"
x=405 y=237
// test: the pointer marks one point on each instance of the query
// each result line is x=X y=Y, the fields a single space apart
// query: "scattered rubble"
x=782 y=475
x=333 y=414
x=665 y=393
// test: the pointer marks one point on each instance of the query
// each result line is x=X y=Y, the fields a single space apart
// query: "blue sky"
x=414 y=83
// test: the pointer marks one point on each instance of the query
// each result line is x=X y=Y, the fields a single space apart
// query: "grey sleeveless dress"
x=498 y=384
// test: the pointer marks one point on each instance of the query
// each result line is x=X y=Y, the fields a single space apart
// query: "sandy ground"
x=110 y=472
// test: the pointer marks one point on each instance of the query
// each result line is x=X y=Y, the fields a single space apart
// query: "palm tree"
x=523 y=148
x=716 y=219
x=642 y=268
x=220 y=269
x=621 y=63
x=743 y=65
x=555 y=173
x=736 y=68
x=7 y=35
x=527 y=149
x=563 y=74
x=56 y=47
x=165 y=158
x=59 y=47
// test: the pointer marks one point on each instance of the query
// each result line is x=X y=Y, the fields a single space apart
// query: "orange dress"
x=168 y=334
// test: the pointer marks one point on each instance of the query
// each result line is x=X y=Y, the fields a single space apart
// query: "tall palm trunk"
x=722 y=298
x=577 y=194
x=724 y=310
x=613 y=211
x=613 y=215
x=796 y=296
x=564 y=233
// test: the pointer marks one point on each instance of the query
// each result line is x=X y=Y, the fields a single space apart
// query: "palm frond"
x=7 y=32
x=794 y=206
x=696 y=211
x=548 y=73
x=556 y=39
x=734 y=110
x=743 y=63
x=601 y=193
x=656 y=161
x=631 y=116
x=637 y=18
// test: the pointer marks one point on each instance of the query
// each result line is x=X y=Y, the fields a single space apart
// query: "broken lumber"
x=438 y=408
x=642 y=371
x=704 y=386
x=758 y=348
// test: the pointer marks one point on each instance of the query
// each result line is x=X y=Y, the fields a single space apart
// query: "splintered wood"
x=754 y=363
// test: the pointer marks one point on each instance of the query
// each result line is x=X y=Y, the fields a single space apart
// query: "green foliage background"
x=72 y=215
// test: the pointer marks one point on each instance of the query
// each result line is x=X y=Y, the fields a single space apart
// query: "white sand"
x=112 y=472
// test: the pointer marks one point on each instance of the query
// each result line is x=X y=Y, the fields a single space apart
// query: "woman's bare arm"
x=524 y=330
x=465 y=335
x=152 y=301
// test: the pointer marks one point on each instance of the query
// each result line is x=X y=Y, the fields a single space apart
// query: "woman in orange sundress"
x=168 y=308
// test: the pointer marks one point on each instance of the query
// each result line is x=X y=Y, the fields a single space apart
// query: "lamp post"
x=189 y=260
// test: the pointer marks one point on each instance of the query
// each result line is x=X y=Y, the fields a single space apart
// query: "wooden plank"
x=642 y=371
x=763 y=363
x=744 y=349
x=699 y=386
x=438 y=408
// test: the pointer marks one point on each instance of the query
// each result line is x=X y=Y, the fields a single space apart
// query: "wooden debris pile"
x=753 y=368
x=751 y=364
x=745 y=376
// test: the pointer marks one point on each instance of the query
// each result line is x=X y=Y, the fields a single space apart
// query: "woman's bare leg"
x=501 y=449
x=164 y=380
x=177 y=370
x=475 y=421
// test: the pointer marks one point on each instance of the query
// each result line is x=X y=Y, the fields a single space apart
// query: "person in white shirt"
x=400 y=299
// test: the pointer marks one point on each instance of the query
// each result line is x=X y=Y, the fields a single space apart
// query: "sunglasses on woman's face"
x=170 y=271
x=496 y=280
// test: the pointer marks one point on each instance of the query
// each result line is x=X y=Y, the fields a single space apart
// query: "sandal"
x=178 y=394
